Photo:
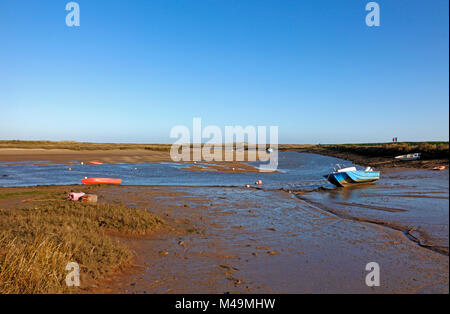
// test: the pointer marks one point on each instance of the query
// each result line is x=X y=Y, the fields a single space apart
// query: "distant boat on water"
x=351 y=175
x=96 y=163
x=408 y=157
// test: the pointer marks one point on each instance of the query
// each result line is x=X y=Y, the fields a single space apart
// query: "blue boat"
x=351 y=175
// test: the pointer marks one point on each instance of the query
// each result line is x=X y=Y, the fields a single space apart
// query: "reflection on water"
x=350 y=192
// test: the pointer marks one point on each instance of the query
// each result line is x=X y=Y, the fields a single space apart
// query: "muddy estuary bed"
x=255 y=241
x=296 y=234
x=414 y=202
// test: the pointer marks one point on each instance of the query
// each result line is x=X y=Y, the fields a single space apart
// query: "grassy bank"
x=72 y=145
x=429 y=150
x=38 y=239
x=401 y=147
x=84 y=146
x=382 y=154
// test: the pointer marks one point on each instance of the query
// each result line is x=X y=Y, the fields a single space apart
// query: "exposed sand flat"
x=69 y=156
x=112 y=156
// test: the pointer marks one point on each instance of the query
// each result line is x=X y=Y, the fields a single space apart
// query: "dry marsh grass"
x=37 y=242
x=33 y=267
x=429 y=150
x=79 y=146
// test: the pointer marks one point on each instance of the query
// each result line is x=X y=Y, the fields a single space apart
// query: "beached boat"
x=101 y=181
x=408 y=157
x=351 y=175
x=96 y=163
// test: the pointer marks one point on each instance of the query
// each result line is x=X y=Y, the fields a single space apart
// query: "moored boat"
x=89 y=181
x=408 y=157
x=351 y=175
x=439 y=168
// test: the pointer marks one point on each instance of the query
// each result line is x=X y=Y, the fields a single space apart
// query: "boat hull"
x=91 y=181
x=96 y=163
x=408 y=157
x=352 y=177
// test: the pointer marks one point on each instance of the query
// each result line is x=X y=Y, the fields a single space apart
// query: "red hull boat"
x=101 y=181
x=96 y=163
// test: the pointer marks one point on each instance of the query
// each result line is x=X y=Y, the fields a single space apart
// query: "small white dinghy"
x=408 y=157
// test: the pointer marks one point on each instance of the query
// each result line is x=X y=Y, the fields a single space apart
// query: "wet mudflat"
x=412 y=201
x=238 y=240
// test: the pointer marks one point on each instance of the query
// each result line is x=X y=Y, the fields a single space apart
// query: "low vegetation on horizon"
x=73 y=145
x=38 y=240
x=430 y=148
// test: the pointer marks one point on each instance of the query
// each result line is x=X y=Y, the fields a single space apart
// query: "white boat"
x=351 y=175
x=408 y=157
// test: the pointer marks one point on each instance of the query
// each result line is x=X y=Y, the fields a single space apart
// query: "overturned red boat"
x=90 y=181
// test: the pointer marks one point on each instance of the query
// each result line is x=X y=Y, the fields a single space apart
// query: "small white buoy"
x=233 y=169
x=85 y=177
x=248 y=185
x=82 y=163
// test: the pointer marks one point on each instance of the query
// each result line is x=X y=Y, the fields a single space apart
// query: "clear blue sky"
x=134 y=69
